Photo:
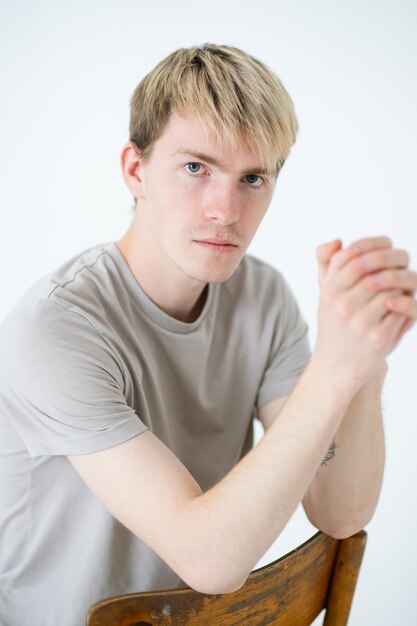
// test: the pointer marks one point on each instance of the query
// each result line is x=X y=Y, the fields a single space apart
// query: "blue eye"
x=254 y=176
x=195 y=167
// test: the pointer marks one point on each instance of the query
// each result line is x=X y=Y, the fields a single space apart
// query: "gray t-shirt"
x=88 y=361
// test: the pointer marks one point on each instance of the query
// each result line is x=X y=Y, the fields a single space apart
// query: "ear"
x=132 y=169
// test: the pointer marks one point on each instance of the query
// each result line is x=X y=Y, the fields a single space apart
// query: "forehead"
x=189 y=136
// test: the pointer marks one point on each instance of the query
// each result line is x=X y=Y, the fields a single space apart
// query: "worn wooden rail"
x=291 y=591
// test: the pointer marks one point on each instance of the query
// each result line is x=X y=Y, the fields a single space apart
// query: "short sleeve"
x=61 y=386
x=290 y=349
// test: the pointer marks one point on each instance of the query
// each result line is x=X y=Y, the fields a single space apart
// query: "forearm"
x=343 y=495
x=236 y=521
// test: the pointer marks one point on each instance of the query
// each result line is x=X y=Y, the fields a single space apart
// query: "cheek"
x=187 y=191
x=254 y=211
x=183 y=200
x=172 y=212
x=252 y=223
x=178 y=193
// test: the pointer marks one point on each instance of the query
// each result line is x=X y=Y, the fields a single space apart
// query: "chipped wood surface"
x=344 y=579
x=291 y=591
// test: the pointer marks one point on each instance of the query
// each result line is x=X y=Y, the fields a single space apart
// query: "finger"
x=389 y=329
x=324 y=253
x=393 y=282
x=406 y=327
x=406 y=280
x=357 y=248
x=368 y=263
x=362 y=294
x=378 y=308
x=372 y=312
x=326 y=250
x=404 y=305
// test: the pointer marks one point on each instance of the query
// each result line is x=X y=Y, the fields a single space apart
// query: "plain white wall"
x=67 y=73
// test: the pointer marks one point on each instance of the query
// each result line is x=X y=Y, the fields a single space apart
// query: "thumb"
x=324 y=253
x=326 y=250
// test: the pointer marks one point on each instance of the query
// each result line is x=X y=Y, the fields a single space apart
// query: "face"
x=200 y=204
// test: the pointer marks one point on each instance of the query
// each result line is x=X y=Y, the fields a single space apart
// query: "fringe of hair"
x=235 y=96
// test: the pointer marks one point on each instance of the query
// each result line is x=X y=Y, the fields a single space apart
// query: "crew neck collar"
x=148 y=306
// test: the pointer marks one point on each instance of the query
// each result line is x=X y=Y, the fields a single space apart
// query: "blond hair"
x=233 y=94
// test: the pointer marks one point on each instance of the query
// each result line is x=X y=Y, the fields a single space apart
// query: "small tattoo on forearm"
x=330 y=454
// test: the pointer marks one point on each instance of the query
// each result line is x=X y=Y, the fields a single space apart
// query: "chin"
x=213 y=274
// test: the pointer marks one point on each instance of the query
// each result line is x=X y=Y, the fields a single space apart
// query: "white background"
x=67 y=72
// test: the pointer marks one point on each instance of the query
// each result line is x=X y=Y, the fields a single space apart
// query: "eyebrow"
x=211 y=160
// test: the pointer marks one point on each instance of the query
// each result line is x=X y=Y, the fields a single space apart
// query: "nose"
x=223 y=205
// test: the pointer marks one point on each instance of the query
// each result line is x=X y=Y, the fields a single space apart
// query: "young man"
x=131 y=375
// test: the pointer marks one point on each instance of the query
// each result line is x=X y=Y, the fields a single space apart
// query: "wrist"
x=381 y=374
x=340 y=385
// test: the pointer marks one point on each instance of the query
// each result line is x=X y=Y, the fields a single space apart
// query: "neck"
x=176 y=294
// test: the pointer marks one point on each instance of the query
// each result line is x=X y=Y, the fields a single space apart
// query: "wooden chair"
x=291 y=591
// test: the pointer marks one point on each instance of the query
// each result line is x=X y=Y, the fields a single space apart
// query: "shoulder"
x=51 y=323
x=45 y=343
x=68 y=288
x=85 y=277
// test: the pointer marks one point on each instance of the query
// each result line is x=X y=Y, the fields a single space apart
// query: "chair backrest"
x=291 y=591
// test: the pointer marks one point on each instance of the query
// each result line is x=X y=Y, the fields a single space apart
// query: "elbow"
x=216 y=587
x=205 y=562
x=342 y=529
x=343 y=532
x=213 y=583
x=340 y=525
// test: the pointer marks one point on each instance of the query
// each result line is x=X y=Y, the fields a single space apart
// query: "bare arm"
x=344 y=494
x=214 y=540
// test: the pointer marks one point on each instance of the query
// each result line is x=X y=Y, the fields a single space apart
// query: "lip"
x=219 y=245
x=218 y=242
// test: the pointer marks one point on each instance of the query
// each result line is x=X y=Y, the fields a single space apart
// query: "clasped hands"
x=367 y=304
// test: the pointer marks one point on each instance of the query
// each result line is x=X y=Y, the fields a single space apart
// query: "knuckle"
x=359 y=325
x=344 y=308
x=370 y=243
x=367 y=243
x=405 y=306
x=374 y=281
x=327 y=296
x=373 y=260
x=359 y=265
x=391 y=277
x=383 y=257
x=404 y=256
x=359 y=246
x=377 y=337
x=380 y=301
x=338 y=259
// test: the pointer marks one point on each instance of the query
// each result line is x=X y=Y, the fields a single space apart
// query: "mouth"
x=220 y=245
